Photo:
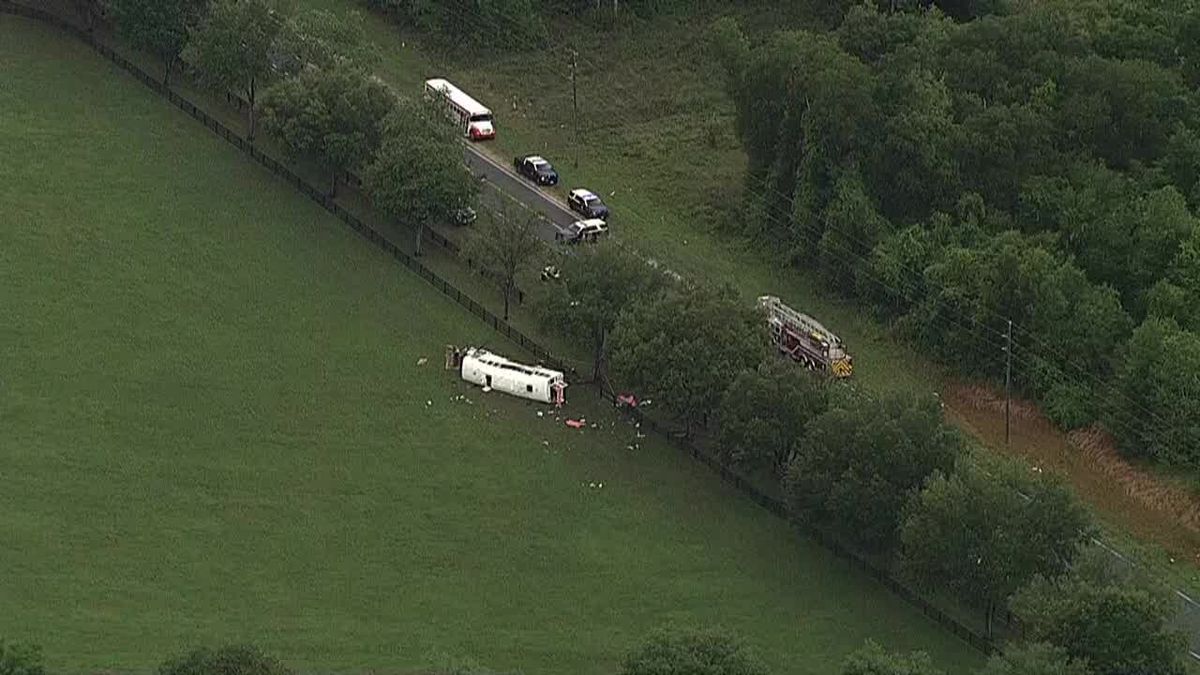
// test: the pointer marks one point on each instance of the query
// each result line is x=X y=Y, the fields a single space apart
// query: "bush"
x=228 y=660
x=691 y=652
x=17 y=659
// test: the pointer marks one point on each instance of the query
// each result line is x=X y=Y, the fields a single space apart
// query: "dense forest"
x=1038 y=164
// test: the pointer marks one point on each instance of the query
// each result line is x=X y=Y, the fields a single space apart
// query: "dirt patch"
x=1146 y=505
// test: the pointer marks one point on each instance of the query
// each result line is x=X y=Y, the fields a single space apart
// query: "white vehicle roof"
x=497 y=361
x=590 y=223
x=536 y=159
x=583 y=194
x=458 y=96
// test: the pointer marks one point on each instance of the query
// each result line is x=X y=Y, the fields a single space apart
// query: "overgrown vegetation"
x=1033 y=165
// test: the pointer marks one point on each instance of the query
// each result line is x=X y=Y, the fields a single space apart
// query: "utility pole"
x=575 y=103
x=1007 y=378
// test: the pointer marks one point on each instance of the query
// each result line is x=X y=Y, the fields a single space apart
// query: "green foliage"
x=1035 y=164
x=684 y=348
x=1114 y=623
x=502 y=245
x=233 y=47
x=871 y=659
x=982 y=537
x=1036 y=658
x=228 y=660
x=17 y=659
x=159 y=27
x=1156 y=410
x=691 y=652
x=597 y=284
x=417 y=175
x=335 y=115
x=764 y=413
x=861 y=462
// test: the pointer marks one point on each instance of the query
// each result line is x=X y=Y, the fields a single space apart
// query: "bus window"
x=486 y=117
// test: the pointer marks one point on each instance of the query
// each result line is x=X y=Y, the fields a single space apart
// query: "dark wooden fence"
x=729 y=476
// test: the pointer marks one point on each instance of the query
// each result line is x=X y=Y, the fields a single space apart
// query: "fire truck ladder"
x=804 y=328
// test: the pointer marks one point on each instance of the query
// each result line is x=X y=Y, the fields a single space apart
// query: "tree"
x=983 y=536
x=159 y=27
x=764 y=412
x=871 y=659
x=335 y=115
x=229 y=660
x=1037 y=658
x=1156 y=410
x=234 y=46
x=17 y=659
x=863 y=460
x=417 y=176
x=502 y=245
x=1116 y=623
x=691 y=652
x=685 y=347
x=597 y=284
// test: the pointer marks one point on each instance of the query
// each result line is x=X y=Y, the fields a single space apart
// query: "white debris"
x=422 y=361
x=486 y=389
x=428 y=403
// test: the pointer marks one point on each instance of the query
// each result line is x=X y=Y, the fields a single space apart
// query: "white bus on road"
x=475 y=118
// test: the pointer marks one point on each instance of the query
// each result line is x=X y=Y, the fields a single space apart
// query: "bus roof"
x=458 y=96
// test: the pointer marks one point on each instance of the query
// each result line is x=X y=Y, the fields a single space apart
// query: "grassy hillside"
x=213 y=426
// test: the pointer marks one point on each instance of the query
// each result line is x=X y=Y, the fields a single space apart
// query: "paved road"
x=504 y=186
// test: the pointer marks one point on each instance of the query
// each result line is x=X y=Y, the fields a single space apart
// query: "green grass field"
x=213 y=427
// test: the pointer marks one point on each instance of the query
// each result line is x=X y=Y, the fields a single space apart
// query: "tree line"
x=305 y=76
x=668 y=650
x=886 y=476
x=1036 y=164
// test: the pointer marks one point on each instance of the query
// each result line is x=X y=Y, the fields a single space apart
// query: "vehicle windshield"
x=543 y=167
x=486 y=117
x=592 y=200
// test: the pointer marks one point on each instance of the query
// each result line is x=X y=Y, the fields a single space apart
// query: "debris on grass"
x=422 y=361
x=577 y=424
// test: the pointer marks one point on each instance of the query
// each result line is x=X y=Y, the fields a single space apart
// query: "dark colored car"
x=536 y=169
x=587 y=204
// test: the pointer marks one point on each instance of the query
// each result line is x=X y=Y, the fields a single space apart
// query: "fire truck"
x=805 y=340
